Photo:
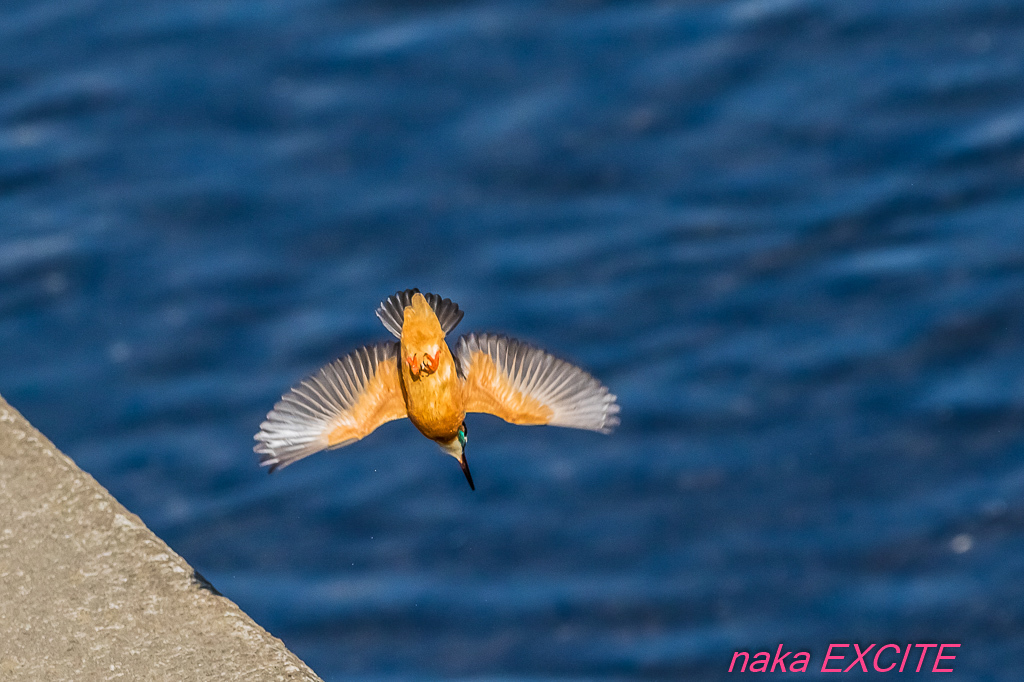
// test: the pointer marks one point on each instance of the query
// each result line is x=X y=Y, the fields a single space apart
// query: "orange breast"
x=434 y=401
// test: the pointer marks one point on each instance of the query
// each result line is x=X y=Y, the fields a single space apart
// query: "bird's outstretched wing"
x=525 y=385
x=337 y=405
x=392 y=311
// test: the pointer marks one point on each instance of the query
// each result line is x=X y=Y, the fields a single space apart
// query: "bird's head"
x=422 y=337
x=457 y=449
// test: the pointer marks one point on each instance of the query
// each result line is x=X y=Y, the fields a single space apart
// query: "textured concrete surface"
x=87 y=592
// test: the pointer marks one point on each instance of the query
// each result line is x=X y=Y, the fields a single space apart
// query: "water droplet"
x=55 y=283
x=119 y=352
x=961 y=543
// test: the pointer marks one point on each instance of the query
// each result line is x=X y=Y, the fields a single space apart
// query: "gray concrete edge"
x=88 y=592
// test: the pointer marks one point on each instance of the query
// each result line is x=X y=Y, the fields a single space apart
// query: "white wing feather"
x=300 y=423
x=576 y=399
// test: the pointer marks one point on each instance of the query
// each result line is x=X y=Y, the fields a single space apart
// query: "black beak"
x=465 y=470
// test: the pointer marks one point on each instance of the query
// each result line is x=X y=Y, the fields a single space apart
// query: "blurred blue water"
x=787 y=233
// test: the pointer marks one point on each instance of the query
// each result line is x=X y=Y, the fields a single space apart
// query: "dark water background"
x=787 y=233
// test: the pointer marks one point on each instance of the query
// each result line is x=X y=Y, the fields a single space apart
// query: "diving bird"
x=418 y=377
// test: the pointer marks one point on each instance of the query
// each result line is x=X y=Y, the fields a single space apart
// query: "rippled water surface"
x=787 y=233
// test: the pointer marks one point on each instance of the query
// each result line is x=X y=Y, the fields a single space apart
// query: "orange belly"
x=434 y=401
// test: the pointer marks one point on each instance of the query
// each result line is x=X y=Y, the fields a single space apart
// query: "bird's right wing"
x=525 y=385
x=340 y=403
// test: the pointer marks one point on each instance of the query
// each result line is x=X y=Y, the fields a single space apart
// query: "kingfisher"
x=419 y=378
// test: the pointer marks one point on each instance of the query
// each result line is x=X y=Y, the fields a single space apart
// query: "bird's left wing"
x=525 y=385
x=337 y=405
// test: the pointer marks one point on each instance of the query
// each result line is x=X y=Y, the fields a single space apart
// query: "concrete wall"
x=87 y=592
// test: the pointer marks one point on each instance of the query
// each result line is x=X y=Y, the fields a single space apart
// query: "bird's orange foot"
x=430 y=363
x=414 y=366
